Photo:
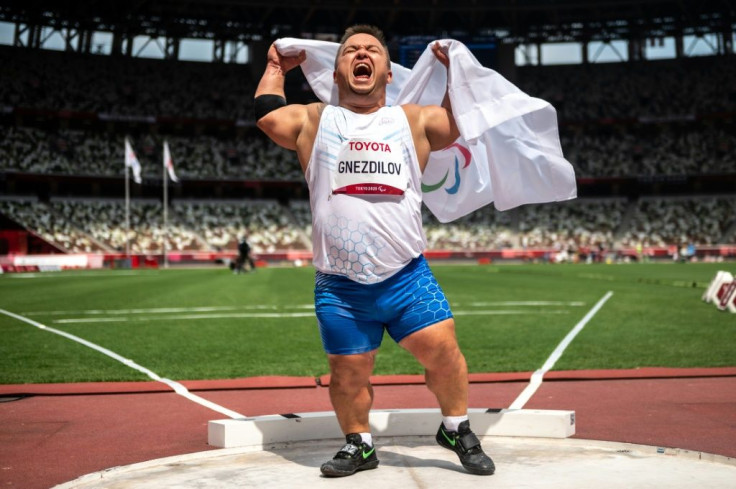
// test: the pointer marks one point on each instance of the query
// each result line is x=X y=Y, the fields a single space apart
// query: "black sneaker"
x=354 y=456
x=467 y=446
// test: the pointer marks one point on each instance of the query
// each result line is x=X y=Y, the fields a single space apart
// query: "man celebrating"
x=363 y=163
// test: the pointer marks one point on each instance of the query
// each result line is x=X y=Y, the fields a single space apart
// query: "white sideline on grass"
x=175 y=386
x=536 y=379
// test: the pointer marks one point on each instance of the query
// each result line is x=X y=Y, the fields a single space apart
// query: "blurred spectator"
x=594 y=151
x=120 y=86
x=666 y=221
x=648 y=150
x=40 y=219
x=221 y=224
x=587 y=226
x=635 y=91
x=36 y=150
x=641 y=119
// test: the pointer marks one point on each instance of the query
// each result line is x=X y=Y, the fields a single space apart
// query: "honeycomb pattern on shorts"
x=353 y=248
x=430 y=303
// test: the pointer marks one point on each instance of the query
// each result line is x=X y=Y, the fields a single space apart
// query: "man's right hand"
x=272 y=82
x=283 y=63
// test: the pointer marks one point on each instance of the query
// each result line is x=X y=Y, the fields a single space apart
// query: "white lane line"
x=524 y=303
x=165 y=310
x=536 y=379
x=175 y=386
x=72 y=274
x=188 y=317
x=157 y=310
x=504 y=312
x=276 y=315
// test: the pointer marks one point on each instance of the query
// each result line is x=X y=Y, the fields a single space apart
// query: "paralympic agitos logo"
x=455 y=148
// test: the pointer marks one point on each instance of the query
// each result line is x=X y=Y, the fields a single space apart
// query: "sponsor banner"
x=62 y=261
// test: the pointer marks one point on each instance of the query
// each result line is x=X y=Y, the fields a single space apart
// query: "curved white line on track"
x=536 y=379
x=175 y=386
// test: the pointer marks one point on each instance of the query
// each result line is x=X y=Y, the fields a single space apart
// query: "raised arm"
x=440 y=124
x=433 y=126
x=281 y=122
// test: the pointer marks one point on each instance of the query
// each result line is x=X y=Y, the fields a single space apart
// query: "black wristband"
x=263 y=104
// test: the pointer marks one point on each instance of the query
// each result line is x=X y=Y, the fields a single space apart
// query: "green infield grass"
x=187 y=324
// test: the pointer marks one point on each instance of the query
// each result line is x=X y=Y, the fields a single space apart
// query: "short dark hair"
x=364 y=29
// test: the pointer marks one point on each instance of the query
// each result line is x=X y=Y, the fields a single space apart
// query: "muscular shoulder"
x=422 y=115
x=412 y=111
x=312 y=118
x=433 y=123
x=314 y=110
x=415 y=117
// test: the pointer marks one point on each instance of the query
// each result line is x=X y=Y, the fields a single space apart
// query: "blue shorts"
x=352 y=316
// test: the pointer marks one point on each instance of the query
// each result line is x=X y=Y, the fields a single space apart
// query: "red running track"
x=57 y=432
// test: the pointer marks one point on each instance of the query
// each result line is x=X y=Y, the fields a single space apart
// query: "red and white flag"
x=131 y=161
x=169 y=163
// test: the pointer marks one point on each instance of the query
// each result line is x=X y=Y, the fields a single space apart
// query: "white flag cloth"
x=131 y=161
x=509 y=151
x=169 y=163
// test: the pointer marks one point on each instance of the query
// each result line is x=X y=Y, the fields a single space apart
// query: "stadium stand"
x=580 y=225
x=105 y=221
x=79 y=152
x=88 y=83
x=663 y=221
x=661 y=90
x=653 y=144
x=38 y=218
x=651 y=118
x=222 y=224
x=624 y=150
x=692 y=148
x=98 y=226
x=92 y=84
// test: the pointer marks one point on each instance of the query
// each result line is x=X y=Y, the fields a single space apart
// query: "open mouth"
x=362 y=71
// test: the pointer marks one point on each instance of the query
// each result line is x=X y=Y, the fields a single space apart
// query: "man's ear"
x=334 y=76
x=389 y=76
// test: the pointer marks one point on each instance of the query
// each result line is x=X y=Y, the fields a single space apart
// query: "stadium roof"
x=516 y=20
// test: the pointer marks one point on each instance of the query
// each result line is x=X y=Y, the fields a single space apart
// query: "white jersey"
x=364 y=185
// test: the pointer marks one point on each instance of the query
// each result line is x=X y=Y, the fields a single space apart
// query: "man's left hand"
x=441 y=54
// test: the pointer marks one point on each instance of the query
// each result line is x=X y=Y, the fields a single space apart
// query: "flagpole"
x=166 y=211
x=127 y=214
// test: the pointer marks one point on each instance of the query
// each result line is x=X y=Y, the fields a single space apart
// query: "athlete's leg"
x=447 y=377
x=446 y=372
x=351 y=392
